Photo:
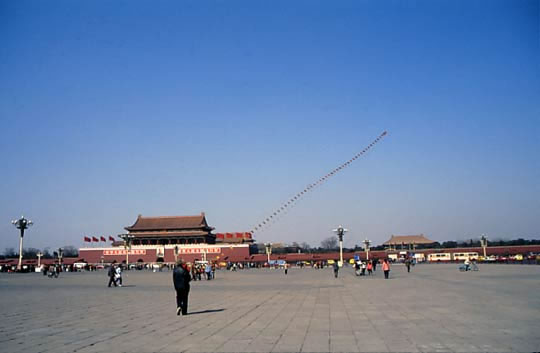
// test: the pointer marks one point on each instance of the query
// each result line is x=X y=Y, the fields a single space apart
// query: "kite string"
x=292 y=201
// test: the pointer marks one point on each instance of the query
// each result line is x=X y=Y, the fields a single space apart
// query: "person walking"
x=118 y=276
x=112 y=274
x=208 y=270
x=370 y=268
x=363 y=267
x=286 y=267
x=181 y=279
x=194 y=271
x=375 y=262
x=408 y=264
x=386 y=268
x=336 y=269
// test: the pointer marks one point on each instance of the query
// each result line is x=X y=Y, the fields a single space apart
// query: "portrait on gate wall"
x=160 y=252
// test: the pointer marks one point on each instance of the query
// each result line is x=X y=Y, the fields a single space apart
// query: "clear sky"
x=113 y=109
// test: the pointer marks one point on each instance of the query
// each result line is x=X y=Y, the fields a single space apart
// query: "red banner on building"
x=124 y=252
x=199 y=250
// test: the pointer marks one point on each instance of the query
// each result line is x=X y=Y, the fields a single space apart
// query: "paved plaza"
x=433 y=308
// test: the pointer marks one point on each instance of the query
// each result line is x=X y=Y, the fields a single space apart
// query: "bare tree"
x=70 y=251
x=329 y=243
x=30 y=253
x=10 y=252
x=305 y=246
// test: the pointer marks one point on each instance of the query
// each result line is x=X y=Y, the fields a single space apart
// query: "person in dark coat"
x=336 y=269
x=181 y=279
x=112 y=273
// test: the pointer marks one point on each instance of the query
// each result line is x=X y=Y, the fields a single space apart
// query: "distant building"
x=167 y=238
x=407 y=241
x=171 y=230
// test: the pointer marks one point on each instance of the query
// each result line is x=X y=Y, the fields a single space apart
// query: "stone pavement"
x=433 y=308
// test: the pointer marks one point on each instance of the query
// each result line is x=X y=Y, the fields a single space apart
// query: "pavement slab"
x=435 y=308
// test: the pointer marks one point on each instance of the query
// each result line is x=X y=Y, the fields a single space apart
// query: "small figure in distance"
x=118 y=275
x=467 y=264
x=336 y=268
x=208 y=271
x=112 y=274
x=408 y=264
x=181 y=279
x=370 y=268
x=363 y=267
x=386 y=268
x=286 y=267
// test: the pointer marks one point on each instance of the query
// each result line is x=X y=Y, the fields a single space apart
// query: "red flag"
x=95 y=239
x=103 y=238
x=87 y=239
x=111 y=238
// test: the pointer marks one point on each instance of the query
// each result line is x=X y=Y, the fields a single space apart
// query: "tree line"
x=31 y=253
x=331 y=244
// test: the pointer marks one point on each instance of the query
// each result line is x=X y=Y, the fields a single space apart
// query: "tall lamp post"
x=39 y=255
x=268 y=247
x=60 y=255
x=483 y=242
x=367 y=242
x=128 y=238
x=22 y=224
x=340 y=231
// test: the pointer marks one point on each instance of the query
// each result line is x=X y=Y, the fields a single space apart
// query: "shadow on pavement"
x=205 y=311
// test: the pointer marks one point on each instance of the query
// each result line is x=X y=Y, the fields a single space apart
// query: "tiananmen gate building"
x=156 y=239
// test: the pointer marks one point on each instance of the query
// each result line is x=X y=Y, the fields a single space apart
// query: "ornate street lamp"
x=340 y=231
x=128 y=238
x=366 y=247
x=484 y=243
x=22 y=224
x=268 y=247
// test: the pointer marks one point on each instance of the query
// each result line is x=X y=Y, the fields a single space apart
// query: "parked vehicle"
x=438 y=257
x=465 y=255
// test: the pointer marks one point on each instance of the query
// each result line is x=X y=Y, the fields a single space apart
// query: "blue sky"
x=113 y=109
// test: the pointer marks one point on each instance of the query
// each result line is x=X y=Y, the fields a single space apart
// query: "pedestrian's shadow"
x=128 y=286
x=206 y=311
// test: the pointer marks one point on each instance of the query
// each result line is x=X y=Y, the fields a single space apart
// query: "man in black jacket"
x=111 y=273
x=181 y=279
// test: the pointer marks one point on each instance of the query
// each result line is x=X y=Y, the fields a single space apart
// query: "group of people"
x=199 y=270
x=115 y=275
x=362 y=266
x=52 y=271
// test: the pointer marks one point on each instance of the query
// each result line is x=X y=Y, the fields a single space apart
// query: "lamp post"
x=60 y=255
x=268 y=247
x=367 y=242
x=340 y=231
x=22 y=224
x=128 y=238
x=483 y=242
x=39 y=255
